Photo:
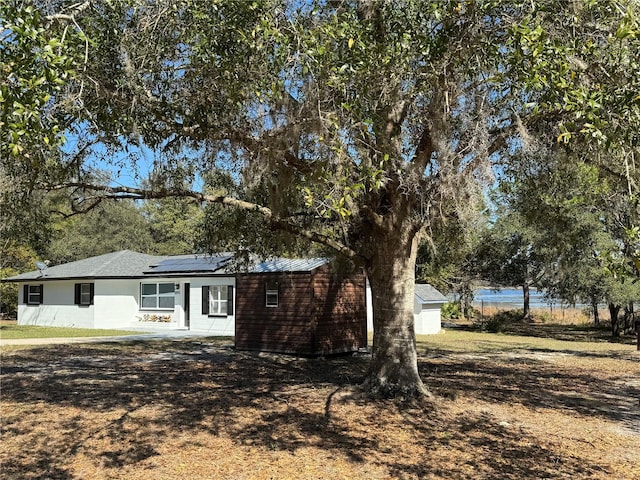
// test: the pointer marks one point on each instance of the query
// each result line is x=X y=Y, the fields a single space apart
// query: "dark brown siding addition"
x=285 y=328
x=340 y=308
x=318 y=313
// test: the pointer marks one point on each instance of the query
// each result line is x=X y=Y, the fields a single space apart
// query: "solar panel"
x=190 y=264
x=206 y=264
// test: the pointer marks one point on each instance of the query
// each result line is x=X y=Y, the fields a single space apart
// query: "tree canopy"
x=348 y=124
x=581 y=214
x=107 y=228
x=510 y=253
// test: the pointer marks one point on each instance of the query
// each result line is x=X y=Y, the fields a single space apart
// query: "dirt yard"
x=505 y=407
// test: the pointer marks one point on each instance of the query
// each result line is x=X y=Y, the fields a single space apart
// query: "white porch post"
x=178 y=311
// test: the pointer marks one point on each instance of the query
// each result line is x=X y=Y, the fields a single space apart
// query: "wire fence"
x=558 y=313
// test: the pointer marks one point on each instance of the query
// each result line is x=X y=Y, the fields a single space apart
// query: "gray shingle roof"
x=425 y=293
x=128 y=264
x=123 y=264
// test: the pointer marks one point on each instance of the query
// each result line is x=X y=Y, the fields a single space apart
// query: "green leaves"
x=36 y=64
x=588 y=76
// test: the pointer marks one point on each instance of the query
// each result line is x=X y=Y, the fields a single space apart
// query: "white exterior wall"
x=426 y=318
x=116 y=303
x=176 y=314
x=222 y=326
x=57 y=309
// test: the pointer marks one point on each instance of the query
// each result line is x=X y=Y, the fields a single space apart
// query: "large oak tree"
x=349 y=124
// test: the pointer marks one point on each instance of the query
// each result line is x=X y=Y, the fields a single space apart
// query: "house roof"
x=128 y=264
x=287 y=265
x=198 y=264
x=122 y=264
x=222 y=264
x=425 y=293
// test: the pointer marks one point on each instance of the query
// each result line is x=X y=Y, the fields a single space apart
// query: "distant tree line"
x=566 y=227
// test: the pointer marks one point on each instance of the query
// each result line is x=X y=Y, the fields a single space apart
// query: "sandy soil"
x=198 y=409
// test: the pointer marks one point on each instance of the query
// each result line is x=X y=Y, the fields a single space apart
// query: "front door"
x=186 y=296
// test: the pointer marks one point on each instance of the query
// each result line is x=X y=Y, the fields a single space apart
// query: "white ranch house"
x=130 y=290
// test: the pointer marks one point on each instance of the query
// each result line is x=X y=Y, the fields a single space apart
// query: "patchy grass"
x=525 y=336
x=10 y=330
x=506 y=406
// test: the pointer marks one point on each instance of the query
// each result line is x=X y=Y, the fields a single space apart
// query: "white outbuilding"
x=427 y=305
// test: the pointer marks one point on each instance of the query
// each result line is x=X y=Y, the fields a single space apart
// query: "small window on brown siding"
x=271 y=289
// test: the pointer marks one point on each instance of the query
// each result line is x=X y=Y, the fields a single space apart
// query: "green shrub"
x=497 y=322
x=451 y=310
x=544 y=317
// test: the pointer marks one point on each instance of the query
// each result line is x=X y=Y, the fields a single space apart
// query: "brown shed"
x=301 y=308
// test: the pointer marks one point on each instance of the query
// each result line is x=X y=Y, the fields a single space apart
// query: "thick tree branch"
x=435 y=122
x=374 y=217
x=274 y=221
x=423 y=152
x=75 y=8
x=395 y=117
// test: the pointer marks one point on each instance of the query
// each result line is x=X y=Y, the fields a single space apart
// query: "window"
x=33 y=294
x=217 y=300
x=271 y=289
x=84 y=294
x=157 y=296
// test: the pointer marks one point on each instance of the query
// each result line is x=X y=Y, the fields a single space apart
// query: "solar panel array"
x=223 y=264
x=191 y=264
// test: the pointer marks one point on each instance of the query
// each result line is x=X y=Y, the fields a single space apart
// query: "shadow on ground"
x=118 y=403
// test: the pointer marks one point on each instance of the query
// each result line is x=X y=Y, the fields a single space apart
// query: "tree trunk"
x=526 y=301
x=596 y=315
x=615 y=324
x=466 y=299
x=628 y=318
x=393 y=371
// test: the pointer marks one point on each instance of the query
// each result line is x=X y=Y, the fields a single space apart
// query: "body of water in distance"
x=512 y=298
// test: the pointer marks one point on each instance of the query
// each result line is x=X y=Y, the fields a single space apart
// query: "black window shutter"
x=41 y=301
x=76 y=294
x=229 y=300
x=205 y=300
x=25 y=294
x=91 y=290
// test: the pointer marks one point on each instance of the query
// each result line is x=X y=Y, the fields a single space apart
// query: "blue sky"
x=127 y=165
